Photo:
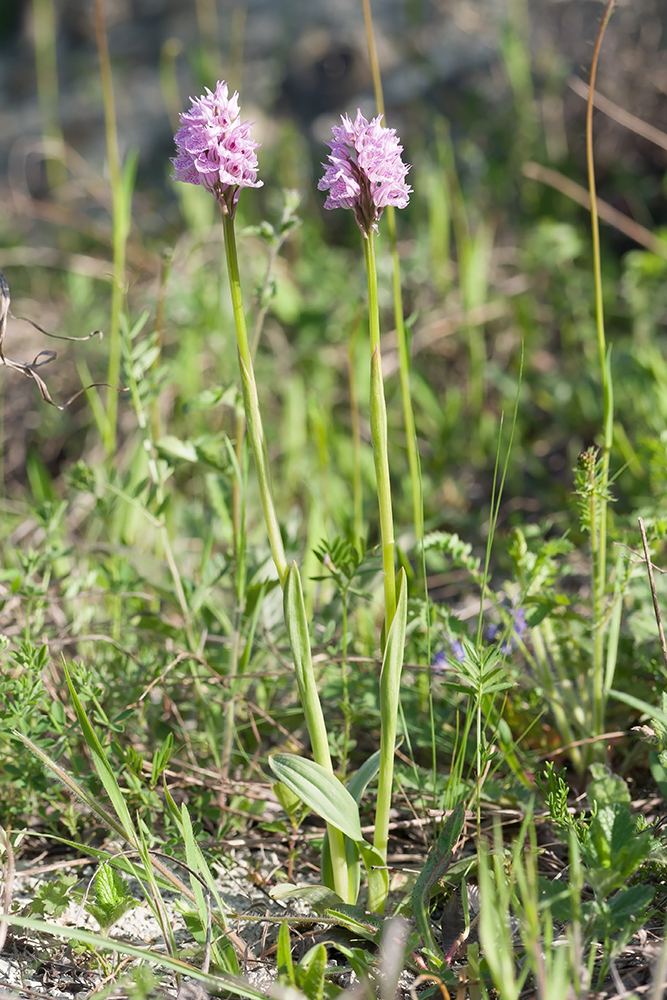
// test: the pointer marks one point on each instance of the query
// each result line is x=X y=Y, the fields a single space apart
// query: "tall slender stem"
x=238 y=523
x=357 y=488
x=379 y=437
x=251 y=402
x=120 y=225
x=399 y=321
x=308 y=687
x=599 y=558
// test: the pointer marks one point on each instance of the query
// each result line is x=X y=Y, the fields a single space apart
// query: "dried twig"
x=651 y=580
x=29 y=368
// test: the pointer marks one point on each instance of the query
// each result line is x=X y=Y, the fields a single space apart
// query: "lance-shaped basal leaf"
x=320 y=790
x=436 y=865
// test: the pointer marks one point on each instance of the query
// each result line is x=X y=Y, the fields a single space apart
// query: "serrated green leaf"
x=630 y=903
x=110 y=888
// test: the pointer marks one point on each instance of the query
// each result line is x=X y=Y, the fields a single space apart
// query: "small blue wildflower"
x=458 y=652
x=454 y=651
x=516 y=635
x=439 y=662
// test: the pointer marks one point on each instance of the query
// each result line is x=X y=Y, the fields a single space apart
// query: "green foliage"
x=150 y=570
x=436 y=865
x=52 y=897
x=112 y=898
x=320 y=790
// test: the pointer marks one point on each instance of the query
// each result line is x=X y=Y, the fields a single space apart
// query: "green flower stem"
x=599 y=524
x=404 y=379
x=357 y=486
x=379 y=437
x=296 y=621
x=390 y=691
x=403 y=353
x=251 y=402
x=307 y=684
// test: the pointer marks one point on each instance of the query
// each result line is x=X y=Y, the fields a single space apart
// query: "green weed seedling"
x=607 y=849
x=52 y=898
x=111 y=898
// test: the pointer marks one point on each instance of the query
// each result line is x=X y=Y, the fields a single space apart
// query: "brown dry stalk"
x=608 y=214
x=618 y=114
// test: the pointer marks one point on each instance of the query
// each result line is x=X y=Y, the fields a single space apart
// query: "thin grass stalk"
x=399 y=320
x=44 y=27
x=599 y=557
x=120 y=226
x=379 y=437
x=209 y=38
x=251 y=402
x=169 y=53
x=154 y=475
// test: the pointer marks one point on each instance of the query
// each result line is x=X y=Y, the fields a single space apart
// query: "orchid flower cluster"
x=366 y=174
x=214 y=147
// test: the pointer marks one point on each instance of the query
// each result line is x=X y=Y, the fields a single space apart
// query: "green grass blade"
x=102 y=765
x=284 y=954
x=73 y=786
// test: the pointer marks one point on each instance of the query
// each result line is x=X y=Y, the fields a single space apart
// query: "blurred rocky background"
x=496 y=73
x=306 y=60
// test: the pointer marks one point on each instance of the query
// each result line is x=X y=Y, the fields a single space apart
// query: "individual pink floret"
x=365 y=170
x=214 y=147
